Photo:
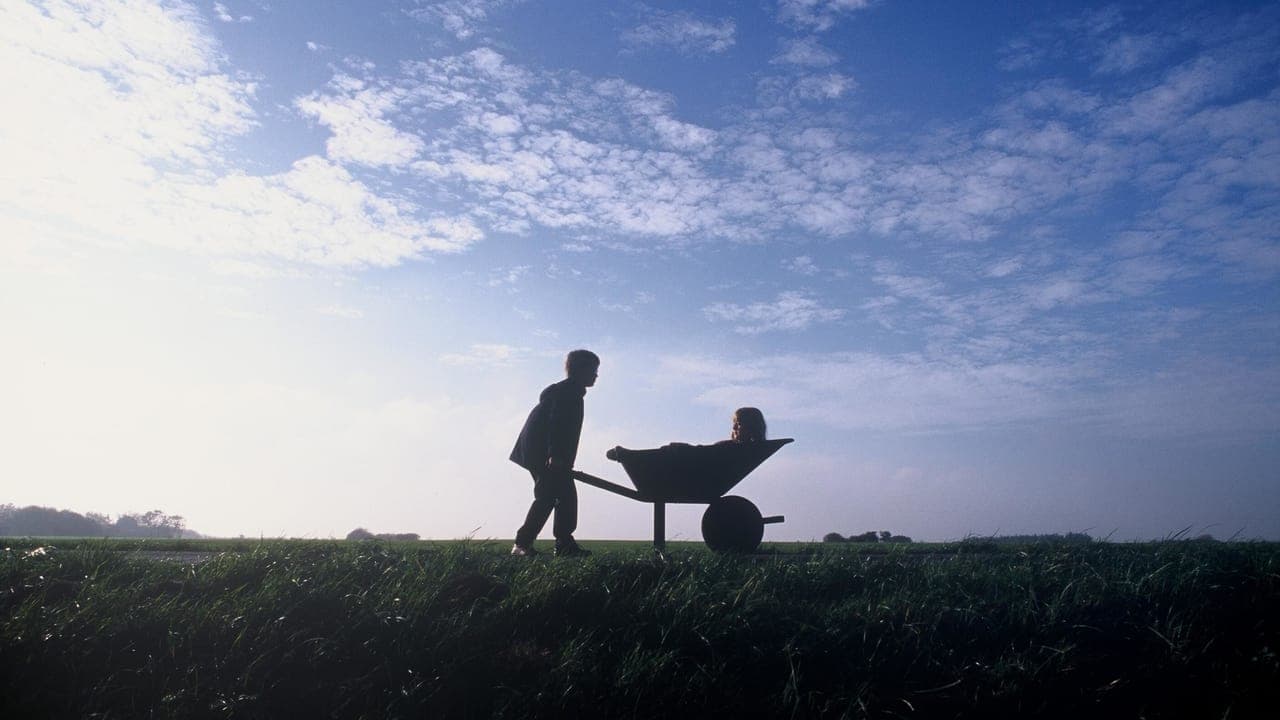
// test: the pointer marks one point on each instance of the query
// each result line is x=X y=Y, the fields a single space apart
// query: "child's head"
x=748 y=425
x=581 y=366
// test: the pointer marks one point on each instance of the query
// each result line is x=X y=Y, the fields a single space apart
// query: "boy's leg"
x=544 y=501
x=566 y=511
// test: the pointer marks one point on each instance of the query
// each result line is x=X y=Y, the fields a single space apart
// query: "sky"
x=292 y=268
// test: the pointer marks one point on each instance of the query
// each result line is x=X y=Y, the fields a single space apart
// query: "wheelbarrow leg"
x=660 y=526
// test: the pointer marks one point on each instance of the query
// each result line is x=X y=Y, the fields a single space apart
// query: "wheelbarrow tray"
x=694 y=473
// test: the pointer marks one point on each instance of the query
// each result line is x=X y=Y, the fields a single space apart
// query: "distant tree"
x=37 y=521
x=870 y=536
x=1074 y=537
x=158 y=524
x=398 y=537
x=153 y=523
x=100 y=519
x=33 y=520
x=360 y=534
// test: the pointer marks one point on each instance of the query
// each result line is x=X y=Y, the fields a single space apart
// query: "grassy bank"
x=460 y=630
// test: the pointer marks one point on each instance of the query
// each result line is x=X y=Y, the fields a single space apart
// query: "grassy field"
x=91 y=628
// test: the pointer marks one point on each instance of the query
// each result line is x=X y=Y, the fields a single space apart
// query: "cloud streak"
x=463 y=18
x=818 y=15
x=790 y=311
x=681 y=31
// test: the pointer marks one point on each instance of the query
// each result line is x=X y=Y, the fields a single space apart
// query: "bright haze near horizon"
x=290 y=268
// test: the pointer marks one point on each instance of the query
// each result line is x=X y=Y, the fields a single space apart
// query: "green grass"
x=372 y=629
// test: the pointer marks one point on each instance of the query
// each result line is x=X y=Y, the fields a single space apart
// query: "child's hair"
x=750 y=424
x=578 y=360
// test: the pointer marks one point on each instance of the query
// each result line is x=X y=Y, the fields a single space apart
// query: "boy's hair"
x=578 y=360
x=752 y=420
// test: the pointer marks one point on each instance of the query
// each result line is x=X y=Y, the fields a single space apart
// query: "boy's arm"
x=555 y=432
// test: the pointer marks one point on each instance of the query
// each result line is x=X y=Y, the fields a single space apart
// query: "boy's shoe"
x=521 y=551
x=571 y=549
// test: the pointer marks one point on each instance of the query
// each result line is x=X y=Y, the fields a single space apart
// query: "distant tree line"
x=49 y=522
x=1071 y=537
x=885 y=536
x=362 y=534
x=869 y=536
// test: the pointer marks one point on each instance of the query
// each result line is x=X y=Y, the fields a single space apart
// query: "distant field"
x=459 y=629
x=497 y=546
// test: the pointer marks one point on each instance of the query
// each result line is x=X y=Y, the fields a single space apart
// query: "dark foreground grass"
x=460 y=630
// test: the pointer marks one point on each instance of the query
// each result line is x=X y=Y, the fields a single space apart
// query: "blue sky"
x=289 y=268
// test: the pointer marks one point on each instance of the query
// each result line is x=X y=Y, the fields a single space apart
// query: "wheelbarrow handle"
x=608 y=486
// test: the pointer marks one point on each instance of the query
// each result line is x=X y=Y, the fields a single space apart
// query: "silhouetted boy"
x=547 y=448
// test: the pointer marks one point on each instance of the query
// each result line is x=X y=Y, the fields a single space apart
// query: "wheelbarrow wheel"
x=732 y=524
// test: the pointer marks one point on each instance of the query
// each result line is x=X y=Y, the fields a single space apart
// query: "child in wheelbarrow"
x=748 y=427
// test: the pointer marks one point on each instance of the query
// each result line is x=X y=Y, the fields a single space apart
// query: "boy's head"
x=748 y=425
x=582 y=366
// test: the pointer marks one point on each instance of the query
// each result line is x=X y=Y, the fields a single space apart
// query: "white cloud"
x=523 y=149
x=1180 y=92
x=638 y=299
x=225 y=15
x=500 y=125
x=118 y=67
x=566 y=151
x=791 y=94
x=682 y=31
x=79 y=164
x=819 y=15
x=1084 y=36
x=355 y=112
x=1020 y=54
x=507 y=277
x=1058 y=291
x=314 y=213
x=826 y=86
x=805 y=51
x=653 y=109
x=463 y=18
x=1004 y=268
x=791 y=311
x=802 y=264
x=562 y=151
x=1126 y=53
x=487 y=355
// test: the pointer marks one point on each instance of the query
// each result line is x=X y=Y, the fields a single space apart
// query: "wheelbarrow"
x=696 y=474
